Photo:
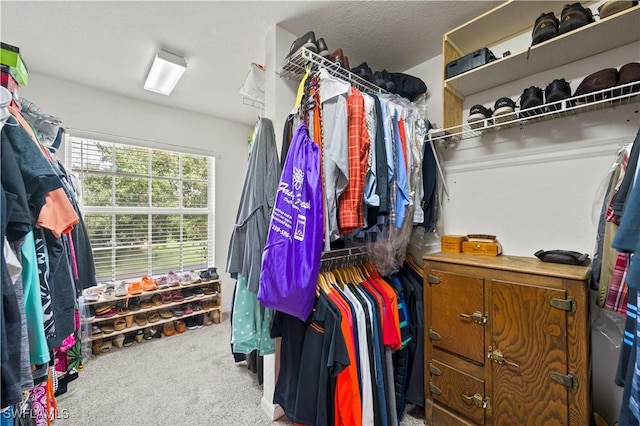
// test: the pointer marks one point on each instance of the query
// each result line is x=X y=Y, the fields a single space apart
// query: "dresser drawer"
x=443 y=417
x=457 y=390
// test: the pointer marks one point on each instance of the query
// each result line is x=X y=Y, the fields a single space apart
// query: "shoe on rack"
x=530 y=98
x=206 y=319
x=629 y=73
x=122 y=289
x=191 y=323
x=612 y=7
x=180 y=326
x=168 y=328
x=139 y=335
x=195 y=277
x=187 y=293
x=128 y=340
x=556 y=91
x=199 y=320
x=504 y=110
x=118 y=340
x=574 y=16
x=213 y=273
x=600 y=80
x=477 y=116
x=185 y=279
x=545 y=28
x=172 y=279
x=198 y=291
x=323 y=50
x=337 y=56
x=161 y=282
x=133 y=304
x=308 y=41
x=363 y=71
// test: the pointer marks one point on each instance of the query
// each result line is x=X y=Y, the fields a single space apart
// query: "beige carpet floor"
x=189 y=379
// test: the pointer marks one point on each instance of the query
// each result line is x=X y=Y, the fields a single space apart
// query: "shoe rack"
x=213 y=299
x=295 y=66
x=514 y=18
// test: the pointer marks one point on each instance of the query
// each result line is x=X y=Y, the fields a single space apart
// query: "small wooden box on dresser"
x=506 y=341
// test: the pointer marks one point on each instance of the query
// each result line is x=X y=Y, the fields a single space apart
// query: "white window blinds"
x=147 y=211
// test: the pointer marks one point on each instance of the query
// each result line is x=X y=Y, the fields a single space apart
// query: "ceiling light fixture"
x=165 y=72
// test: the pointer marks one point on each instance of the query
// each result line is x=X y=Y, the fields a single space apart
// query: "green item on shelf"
x=11 y=57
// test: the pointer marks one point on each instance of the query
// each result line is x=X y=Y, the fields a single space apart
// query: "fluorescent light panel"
x=165 y=72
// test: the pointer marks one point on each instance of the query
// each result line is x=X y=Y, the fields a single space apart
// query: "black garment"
x=324 y=356
x=237 y=357
x=625 y=416
x=292 y=331
x=287 y=135
x=596 y=264
x=10 y=369
x=81 y=243
x=429 y=201
x=61 y=284
x=19 y=219
x=37 y=172
x=412 y=285
x=382 y=171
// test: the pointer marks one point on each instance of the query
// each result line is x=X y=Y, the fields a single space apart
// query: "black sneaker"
x=323 y=50
x=545 y=28
x=477 y=116
x=134 y=304
x=307 y=41
x=574 y=16
x=530 y=98
x=191 y=323
x=187 y=293
x=363 y=71
x=198 y=291
x=199 y=320
x=556 y=91
x=504 y=110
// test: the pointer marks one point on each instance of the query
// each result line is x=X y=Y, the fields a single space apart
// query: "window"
x=147 y=211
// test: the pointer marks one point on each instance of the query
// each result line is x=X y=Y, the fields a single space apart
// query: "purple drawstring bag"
x=291 y=257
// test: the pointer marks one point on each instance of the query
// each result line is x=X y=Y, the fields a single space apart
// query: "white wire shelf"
x=603 y=99
x=294 y=68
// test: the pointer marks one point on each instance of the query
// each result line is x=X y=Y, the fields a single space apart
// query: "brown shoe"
x=603 y=79
x=180 y=326
x=168 y=329
x=338 y=57
x=215 y=316
x=129 y=320
x=207 y=319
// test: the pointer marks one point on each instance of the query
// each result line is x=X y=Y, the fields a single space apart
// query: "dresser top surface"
x=529 y=265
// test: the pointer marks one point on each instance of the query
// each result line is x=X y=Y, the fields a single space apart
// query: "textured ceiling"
x=110 y=45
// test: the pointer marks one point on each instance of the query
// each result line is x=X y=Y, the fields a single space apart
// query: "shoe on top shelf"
x=545 y=28
x=504 y=110
x=612 y=7
x=308 y=41
x=363 y=71
x=573 y=17
x=323 y=50
x=477 y=116
x=628 y=73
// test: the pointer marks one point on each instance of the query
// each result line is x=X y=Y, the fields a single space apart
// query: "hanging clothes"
x=258 y=196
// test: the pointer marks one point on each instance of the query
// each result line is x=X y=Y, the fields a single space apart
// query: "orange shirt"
x=348 y=405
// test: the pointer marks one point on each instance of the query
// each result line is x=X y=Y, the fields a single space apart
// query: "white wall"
x=89 y=109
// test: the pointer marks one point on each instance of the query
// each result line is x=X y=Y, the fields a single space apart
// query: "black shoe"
x=504 y=110
x=556 y=91
x=199 y=320
x=574 y=16
x=363 y=71
x=307 y=41
x=530 y=98
x=477 y=116
x=378 y=80
x=546 y=27
x=323 y=50
x=191 y=323
x=213 y=273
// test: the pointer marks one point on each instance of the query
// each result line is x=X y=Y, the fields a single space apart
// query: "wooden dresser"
x=506 y=341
